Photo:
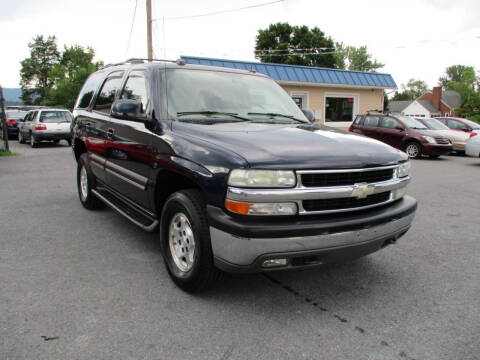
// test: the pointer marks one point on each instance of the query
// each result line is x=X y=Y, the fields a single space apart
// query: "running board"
x=133 y=214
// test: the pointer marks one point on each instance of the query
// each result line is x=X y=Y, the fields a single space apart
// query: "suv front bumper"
x=242 y=245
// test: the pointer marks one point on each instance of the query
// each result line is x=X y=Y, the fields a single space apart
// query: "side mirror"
x=399 y=128
x=127 y=109
x=309 y=115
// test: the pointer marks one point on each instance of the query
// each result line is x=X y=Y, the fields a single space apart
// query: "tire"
x=21 y=140
x=33 y=141
x=85 y=183
x=183 y=221
x=413 y=150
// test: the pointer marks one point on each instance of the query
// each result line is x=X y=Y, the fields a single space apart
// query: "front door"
x=391 y=132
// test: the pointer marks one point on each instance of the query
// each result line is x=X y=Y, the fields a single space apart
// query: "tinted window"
x=370 y=121
x=107 y=94
x=358 y=120
x=456 y=124
x=388 y=122
x=55 y=117
x=88 y=89
x=136 y=89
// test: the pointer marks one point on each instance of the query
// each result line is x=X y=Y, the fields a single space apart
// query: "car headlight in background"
x=404 y=169
x=262 y=178
x=429 y=139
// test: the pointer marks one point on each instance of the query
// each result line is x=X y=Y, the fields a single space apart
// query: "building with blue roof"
x=334 y=95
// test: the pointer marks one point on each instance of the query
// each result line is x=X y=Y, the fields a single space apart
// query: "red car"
x=402 y=132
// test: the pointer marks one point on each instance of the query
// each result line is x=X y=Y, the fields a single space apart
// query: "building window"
x=339 y=108
x=300 y=98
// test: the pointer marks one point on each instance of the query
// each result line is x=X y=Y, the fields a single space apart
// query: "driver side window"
x=136 y=89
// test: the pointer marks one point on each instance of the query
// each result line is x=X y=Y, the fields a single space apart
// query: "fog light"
x=274 y=263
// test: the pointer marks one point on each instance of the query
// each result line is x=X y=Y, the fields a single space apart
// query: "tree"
x=353 y=58
x=295 y=45
x=75 y=65
x=35 y=70
x=411 y=91
x=464 y=80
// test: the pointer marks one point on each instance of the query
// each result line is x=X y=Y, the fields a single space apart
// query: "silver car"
x=457 y=138
x=45 y=125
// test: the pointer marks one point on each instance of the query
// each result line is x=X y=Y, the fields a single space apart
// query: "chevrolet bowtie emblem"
x=362 y=190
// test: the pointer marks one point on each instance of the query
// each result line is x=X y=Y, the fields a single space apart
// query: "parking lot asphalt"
x=78 y=284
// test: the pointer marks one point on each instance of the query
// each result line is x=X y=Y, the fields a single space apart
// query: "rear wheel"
x=33 y=141
x=86 y=182
x=413 y=150
x=185 y=239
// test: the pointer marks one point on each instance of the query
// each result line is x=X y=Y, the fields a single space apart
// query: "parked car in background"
x=457 y=138
x=472 y=147
x=11 y=120
x=403 y=132
x=459 y=124
x=45 y=125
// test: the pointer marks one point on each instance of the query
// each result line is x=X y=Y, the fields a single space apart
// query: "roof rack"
x=142 y=60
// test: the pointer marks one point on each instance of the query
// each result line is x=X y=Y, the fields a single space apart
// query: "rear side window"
x=107 y=94
x=389 y=123
x=136 y=89
x=370 y=121
x=88 y=89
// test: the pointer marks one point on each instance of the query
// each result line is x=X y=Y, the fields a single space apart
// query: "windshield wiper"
x=276 y=114
x=207 y=112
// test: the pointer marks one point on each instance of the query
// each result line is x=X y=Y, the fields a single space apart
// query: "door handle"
x=110 y=133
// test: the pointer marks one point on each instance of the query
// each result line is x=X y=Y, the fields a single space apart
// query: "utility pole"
x=149 y=30
x=3 y=119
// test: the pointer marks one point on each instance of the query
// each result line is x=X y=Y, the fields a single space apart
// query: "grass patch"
x=8 y=153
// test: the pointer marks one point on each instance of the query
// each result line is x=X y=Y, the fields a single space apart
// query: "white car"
x=45 y=124
x=472 y=148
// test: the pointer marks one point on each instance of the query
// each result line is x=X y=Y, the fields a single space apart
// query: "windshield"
x=434 y=124
x=193 y=94
x=412 y=123
x=14 y=115
x=472 y=124
x=55 y=117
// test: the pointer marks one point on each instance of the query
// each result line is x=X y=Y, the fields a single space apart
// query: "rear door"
x=370 y=126
x=30 y=124
x=128 y=146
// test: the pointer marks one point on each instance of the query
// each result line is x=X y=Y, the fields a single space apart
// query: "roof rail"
x=138 y=60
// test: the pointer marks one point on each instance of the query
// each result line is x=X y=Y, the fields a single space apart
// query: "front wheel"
x=413 y=150
x=185 y=240
x=86 y=182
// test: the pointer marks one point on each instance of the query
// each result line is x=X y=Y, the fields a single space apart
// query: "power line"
x=131 y=29
x=218 y=12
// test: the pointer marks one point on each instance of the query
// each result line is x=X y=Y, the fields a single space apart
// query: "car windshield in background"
x=412 y=123
x=472 y=124
x=434 y=124
x=55 y=117
x=15 y=115
x=193 y=94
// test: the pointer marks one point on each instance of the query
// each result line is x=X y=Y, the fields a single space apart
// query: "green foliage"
x=35 y=77
x=412 y=90
x=69 y=74
x=54 y=79
x=353 y=58
x=295 y=45
x=465 y=81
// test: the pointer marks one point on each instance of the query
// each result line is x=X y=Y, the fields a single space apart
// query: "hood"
x=294 y=146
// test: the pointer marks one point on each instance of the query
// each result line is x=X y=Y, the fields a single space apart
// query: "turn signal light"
x=237 y=207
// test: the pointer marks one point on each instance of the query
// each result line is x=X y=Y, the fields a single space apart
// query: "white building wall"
x=416 y=109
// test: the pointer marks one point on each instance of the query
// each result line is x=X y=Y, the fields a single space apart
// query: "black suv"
x=232 y=172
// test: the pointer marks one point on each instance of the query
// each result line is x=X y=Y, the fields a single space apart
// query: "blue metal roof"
x=304 y=74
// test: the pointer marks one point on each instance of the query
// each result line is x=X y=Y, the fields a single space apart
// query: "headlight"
x=429 y=139
x=246 y=208
x=261 y=178
x=404 y=169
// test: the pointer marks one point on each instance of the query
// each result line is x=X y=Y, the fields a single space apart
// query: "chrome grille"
x=346 y=178
x=345 y=203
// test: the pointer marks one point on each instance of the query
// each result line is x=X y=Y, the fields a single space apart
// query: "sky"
x=414 y=38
